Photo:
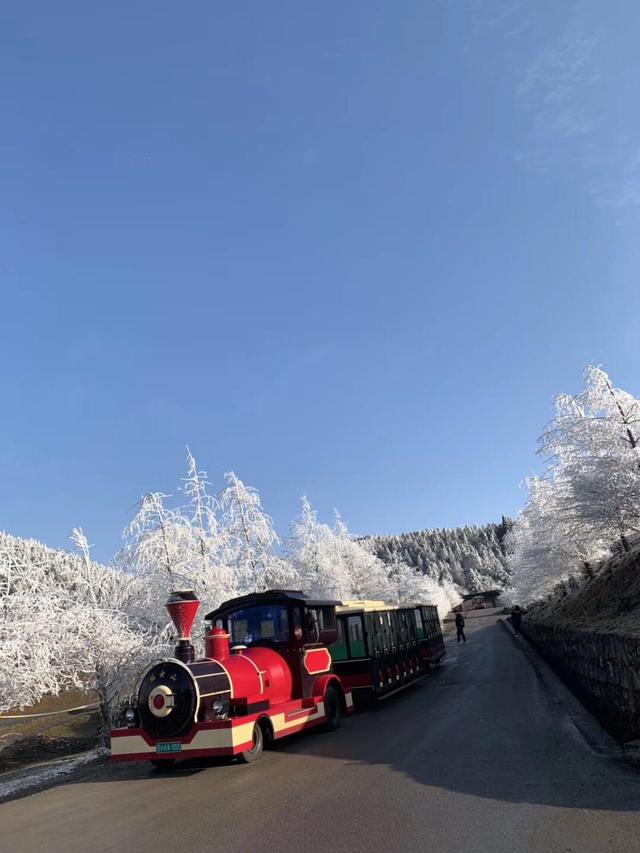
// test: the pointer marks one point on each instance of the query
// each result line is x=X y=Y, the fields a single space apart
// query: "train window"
x=327 y=618
x=339 y=647
x=321 y=619
x=296 y=623
x=312 y=624
x=373 y=629
x=419 y=623
x=393 y=629
x=263 y=622
x=404 y=626
x=356 y=639
x=390 y=630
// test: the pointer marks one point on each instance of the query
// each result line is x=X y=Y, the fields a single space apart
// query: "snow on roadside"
x=31 y=780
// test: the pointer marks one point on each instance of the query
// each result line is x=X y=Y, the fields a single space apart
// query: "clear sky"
x=346 y=249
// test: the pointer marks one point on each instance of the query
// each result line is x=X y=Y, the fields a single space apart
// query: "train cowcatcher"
x=267 y=672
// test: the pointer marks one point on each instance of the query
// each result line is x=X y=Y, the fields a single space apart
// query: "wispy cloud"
x=553 y=86
x=562 y=75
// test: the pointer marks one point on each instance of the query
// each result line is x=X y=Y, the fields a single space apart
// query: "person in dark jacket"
x=516 y=618
x=460 y=627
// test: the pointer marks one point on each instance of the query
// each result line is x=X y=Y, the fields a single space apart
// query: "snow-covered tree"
x=157 y=539
x=592 y=446
x=442 y=554
x=544 y=546
x=589 y=496
x=106 y=644
x=367 y=574
x=181 y=546
x=66 y=621
x=314 y=555
x=411 y=586
x=251 y=539
x=33 y=607
x=333 y=563
x=472 y=573
x=210 y=544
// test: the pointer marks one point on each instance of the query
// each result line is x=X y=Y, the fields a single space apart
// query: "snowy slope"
x=470 y=557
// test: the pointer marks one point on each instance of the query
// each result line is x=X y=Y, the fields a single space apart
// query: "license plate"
x=168 y=747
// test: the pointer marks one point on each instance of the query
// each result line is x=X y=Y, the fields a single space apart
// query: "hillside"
x=471 y=557
x=608 y=602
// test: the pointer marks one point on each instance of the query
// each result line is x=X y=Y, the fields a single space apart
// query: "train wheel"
x=332 y=708
x=253 y=754
x=162 y=765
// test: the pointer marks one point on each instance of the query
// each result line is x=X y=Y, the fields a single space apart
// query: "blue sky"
x=348 y=250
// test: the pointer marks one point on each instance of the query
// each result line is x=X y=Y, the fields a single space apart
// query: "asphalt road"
x=484 y=756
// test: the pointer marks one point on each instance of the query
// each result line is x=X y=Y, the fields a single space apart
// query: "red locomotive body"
x=267 y=673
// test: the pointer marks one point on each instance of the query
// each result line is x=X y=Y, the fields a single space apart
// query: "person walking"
x=516 y=619
x=460 y=627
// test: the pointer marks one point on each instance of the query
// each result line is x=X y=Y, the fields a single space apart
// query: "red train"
x=275 y=663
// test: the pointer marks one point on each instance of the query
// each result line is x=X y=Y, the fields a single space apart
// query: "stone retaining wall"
x=603 y=670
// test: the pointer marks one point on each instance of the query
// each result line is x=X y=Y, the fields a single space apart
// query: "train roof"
x=372 y=605
x=271 y=596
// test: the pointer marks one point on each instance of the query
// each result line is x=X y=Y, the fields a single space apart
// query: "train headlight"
x=130 y=716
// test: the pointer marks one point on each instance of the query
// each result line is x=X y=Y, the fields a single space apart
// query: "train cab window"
x=317 y=620
x=419 y=623
x=296 y=623
x=312 y=624
x=356 y=638
x=327 y=618
x=339 y=647
x=262 y=622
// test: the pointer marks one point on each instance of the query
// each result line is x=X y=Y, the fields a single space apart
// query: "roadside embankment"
x=58 y=726
x=602 y=669
x=592 y=639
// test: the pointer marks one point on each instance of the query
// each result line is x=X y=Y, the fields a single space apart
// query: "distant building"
x=488 y=598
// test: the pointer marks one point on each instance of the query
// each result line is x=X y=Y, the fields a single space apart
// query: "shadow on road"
x=483 y=725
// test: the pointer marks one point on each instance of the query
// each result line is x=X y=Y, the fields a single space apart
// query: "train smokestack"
x=216 y=644
x=182 y=606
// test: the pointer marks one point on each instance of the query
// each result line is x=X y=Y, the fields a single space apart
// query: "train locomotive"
x=268 y=671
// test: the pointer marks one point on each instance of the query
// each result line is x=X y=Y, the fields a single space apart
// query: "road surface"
x=483 y=756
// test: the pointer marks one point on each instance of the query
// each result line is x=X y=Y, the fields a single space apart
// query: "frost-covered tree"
x=544 y=546
x=589 y=497
x=442 y=554
x=251 y=540
x=472 y=572
x=403 y=580
x=411 y=586
x=33 y=636
x=66 y=621
x=593 y=453
x=331 y=562
x=106 y=643
x=210 y=544
x=315 y=556
x=367 y=574
x=157 y=539
x=174 y=545
x=158 y=550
